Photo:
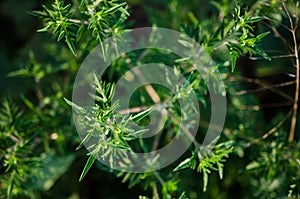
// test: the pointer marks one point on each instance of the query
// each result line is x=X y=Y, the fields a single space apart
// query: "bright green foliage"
x=110 y=130
x=26 y=145
x=272 y=159
x=38 y=139
x=205 y=160
x=236 y=32
x=57 y=18
x=15 y=148
x=103 y=18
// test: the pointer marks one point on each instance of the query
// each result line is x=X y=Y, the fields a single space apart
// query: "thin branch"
x=263 y=106
x=289 y=17
x=296 y=98
x=160 y=179
x=149 y=88
x=243 y=92
x=78 y=21
x=264 y=85
x=286 y=27
x=296 y=16
x=273 y=57
x=158 y=136
x=39 y=92
x=153 y=95
x=154 y=190
x=14 y=138
x=133 y=110
x=185 y=130
x=278 y=35
x=275 y=128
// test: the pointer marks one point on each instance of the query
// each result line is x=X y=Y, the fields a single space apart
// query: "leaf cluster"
x=102 y=18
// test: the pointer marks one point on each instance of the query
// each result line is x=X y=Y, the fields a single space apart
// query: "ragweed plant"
x=38 y=138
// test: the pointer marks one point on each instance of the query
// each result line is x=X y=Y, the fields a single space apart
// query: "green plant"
x=38 y=138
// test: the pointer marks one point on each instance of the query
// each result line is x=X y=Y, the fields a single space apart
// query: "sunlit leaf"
x=87 y=166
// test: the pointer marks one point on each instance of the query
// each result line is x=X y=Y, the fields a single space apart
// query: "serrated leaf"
x=87 y=166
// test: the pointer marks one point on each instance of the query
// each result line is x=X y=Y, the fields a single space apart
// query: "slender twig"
x=275 y=128
x=156 y=142
x=149 y=88
x=264 y=85
x=263 y=106
x=133 y=110
x=273 y=57
x=155 y=192
x=185 y=130
x=278 y=35
x=243 y=92
x=14 y=138
x=153 y=95
x=78 y=21
x=296 y=97
x=289 y=17
x=158 y=136
x=39 y=92
x=159 y=178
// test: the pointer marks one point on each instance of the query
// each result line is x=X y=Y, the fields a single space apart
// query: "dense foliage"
x=254 y=45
